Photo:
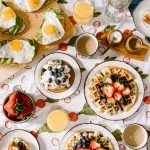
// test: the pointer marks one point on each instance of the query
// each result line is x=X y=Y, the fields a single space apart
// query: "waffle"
x=76 y=140
x=104 y=79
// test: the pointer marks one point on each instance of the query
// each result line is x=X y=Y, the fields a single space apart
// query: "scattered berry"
x=100 y=35
x=63 y=46
x=147 y=99
x=128 y=32
x=72 y=20
x=40 y=103
x=73 y=116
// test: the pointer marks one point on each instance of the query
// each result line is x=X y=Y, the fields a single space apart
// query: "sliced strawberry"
x=94 y=145
x=24 y=98
x=117 y=96
x=13 y=148
x=128 y=32
x=109 y=80
x=82 y=149
x=63 y=46
x=147 y=99
x=28 y=109
x=126 y=91
x=100 y=35
x=9 y=106
x=40 y=103
x=121 y=87
x=100 y=148
x=111 y=100
x=108 y=90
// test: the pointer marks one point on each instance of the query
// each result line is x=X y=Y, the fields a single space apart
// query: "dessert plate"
x=71 y=62
x=25 y=135
x=138 y=15
x=137 y=80
x=88 y=127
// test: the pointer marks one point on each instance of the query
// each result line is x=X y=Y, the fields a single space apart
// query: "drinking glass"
x=115 y=9
x=83 y=11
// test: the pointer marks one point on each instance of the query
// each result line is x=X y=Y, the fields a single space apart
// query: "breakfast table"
x=76 y=103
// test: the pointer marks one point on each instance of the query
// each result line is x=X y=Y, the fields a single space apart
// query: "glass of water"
x=115 y=9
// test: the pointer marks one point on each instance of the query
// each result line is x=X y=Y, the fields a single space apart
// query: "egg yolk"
x=8 y=13
x=50 y=29
x=33 y=4
x=15 y=45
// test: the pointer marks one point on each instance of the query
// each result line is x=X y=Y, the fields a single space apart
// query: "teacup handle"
x=18 y=88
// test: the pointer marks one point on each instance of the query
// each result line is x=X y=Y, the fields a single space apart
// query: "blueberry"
x=114 y=77
x=105 y=100
x=57 y=81
x=50 y=68
x=102 y=96
x=59 y=74
x=61 y=69
x=78 y=145
x=43 y=70
x=51 y=73
x=56 y=70
x=63 y=80
x=56 y=75
x=50 y=80
x=116 y=108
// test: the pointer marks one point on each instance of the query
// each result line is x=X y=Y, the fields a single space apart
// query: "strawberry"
x=40 y=103
x=126 y=91
x=118 y=86
x=9 y=106
x=108 y=90
x=100 y=148
x=72 y=20
x=82 y=149
x=63 y=46
x=94 y=145
x=128 y=32
x=147 y=99
x=28 y=109
x=73 y=116
x=109 y=80
x=13 y=148
x=24 y=98
x=100 y=35
x=34 y=133
x=117 y=96
x=111 y=100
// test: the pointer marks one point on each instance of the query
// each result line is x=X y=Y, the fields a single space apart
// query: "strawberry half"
x=111 y=100
x=126 y=91
x=108 y=90
x=94 y=145
x=117 y=96
x=10 y=105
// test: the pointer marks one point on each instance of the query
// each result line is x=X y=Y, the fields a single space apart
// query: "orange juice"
x=83 y=11
x=57 y=120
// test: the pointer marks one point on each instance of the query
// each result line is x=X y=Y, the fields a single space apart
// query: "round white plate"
x=138 y=17
x=75 y=66
x=25 y=135
x=137 y=79
x=88 y=127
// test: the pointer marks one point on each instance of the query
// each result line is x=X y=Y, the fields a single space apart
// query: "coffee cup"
x=135 y=136
x=87 y=45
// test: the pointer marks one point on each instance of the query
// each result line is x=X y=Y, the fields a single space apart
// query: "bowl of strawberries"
x=18 y=106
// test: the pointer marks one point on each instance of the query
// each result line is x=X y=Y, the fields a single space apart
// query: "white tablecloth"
x=25 y=78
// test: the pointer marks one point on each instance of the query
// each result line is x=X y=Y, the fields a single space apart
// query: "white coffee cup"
x=135 y=136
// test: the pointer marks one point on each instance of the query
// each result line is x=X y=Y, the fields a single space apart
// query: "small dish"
x=51 y=88
x=73 y=138
x=18 y=106
x=23 y=134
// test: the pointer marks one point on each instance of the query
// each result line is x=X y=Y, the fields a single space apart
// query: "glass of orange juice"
x=83 y=11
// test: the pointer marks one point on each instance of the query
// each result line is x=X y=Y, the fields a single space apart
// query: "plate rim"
x=88 y=102
x=71 y=66
x=3 y=135
x=99 y=125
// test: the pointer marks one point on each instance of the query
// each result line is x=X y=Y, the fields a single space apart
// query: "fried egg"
x=29 y=5
x=7 y=17
x=20 y=50
x=52 y=29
